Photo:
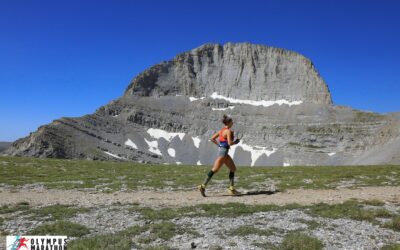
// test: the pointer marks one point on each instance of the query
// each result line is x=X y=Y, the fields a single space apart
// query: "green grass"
x=383 y=213
x=351 y=209
x=123 y=240
x=394 y=223
x=248 y=230
x=56 y=212
x=391 y=247
x=300 y=241
x=21 y=206
x=164 y=230
x=111 y=176
x=61 y=228
x=374 y=202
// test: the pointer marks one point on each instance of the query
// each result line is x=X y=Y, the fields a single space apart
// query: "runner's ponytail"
x=226 y=119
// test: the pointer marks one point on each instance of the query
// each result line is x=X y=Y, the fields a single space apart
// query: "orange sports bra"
x=221 y=138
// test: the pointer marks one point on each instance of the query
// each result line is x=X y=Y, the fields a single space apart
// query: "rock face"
x=240 y=71
x=277 y=99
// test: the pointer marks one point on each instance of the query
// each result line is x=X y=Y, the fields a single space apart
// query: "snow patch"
x=113 y=155
x=255 y=103
x=159 y=133
x=171 y=152
x=285 y=164
x=196 y=141
x=178 y=163
x=192 y=99
x=131 y=144
x=198 y=163
x=223 y=109
x=332 y=154
x=153 y=147
x=256 y=151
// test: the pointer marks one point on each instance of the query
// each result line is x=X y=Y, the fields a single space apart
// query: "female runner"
x=226 y=139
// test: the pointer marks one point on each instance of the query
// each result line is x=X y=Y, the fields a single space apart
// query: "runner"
x=225 y=138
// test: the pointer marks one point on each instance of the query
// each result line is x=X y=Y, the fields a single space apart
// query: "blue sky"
x=67 y=58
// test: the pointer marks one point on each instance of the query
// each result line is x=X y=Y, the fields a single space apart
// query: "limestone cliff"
x=240 y=71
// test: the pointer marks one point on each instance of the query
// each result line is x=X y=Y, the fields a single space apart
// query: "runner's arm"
x=214 y=137
x=229 y=137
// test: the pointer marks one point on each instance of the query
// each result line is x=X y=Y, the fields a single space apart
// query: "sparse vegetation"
x=311 y=224
x=367 y=116
x=164 y=230
x=351 y=209
x=383 y=213
x=374 y=202
x=55 y=212
x=121 y=240
x=248 y=230
x=21 y=206
x=300 y=241
x=112 y=176
x=61 y=228
x=394 y=223
x=264 y=245
x=391 y=247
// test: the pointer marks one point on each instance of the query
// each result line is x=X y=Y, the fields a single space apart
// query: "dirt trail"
x=189 y=198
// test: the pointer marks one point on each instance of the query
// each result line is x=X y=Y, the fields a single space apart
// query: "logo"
x=19 y=242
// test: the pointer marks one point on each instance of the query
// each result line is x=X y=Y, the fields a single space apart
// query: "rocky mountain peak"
x=236 y=70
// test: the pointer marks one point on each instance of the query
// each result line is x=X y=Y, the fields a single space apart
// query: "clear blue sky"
x=67 y=58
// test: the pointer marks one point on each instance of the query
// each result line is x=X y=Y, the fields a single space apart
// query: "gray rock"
x=241 y=71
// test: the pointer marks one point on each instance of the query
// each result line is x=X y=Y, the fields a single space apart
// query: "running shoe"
x=232 y=191
x=202 y=189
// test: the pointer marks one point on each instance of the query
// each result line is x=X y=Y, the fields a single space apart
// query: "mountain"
x=278 y=100
x=4 y=145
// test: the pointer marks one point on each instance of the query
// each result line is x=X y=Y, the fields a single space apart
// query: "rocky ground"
x=37 y=195
x=114 y=212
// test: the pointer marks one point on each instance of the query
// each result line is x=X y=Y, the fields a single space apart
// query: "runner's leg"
x=232 y=167
x=217 y=166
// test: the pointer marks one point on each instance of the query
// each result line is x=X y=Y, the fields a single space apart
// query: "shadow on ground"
x=250 y=193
